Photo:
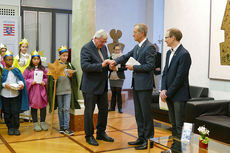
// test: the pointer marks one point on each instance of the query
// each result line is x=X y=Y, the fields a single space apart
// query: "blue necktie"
x=138 y=49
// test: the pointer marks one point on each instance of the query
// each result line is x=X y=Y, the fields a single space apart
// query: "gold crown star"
x=2 y=46
x=7 y=53
x=35 y=53
x=24 y=41
x=62 y=49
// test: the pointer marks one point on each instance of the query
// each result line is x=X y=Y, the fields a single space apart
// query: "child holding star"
x=66 y=92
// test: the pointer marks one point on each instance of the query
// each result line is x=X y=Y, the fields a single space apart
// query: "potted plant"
x=204 y=132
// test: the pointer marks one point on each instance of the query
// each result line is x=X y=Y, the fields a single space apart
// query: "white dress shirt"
x=11 y=79
x=173 y=50
x=142 y=42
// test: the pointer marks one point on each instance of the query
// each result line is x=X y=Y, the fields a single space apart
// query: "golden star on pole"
x=56 y=69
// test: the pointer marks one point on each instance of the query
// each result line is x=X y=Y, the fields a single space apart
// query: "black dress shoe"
x=26 y=120
x=17 y=132
x=137 y=142
x=91 y=140
x=111 y=109
x=104 y=137
x=167 y=151
x=144 y=146
x=10 y=131
x=120 y=111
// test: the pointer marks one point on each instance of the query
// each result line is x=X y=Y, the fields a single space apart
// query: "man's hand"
x=130 y=67
x=106 y=62
x=112 y=67
x=113 y=63
x=163 y=95
x=158 y=69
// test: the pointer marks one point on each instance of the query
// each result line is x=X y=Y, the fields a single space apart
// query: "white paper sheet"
x=163 y=105
x=132 y=61
x=38 y=76
x=14 y=86
x=187 y=132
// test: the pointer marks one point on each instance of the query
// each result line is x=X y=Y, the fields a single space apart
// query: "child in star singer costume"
x=14 y=97
x=3 y=49
x=37 y=90
x=66 y=92
x=22 y=61
x=2 y=64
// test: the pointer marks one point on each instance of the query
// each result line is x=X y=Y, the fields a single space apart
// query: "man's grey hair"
x=101 y=33
x=142 y=28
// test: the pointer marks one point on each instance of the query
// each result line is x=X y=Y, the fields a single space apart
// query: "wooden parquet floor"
x=122 y=127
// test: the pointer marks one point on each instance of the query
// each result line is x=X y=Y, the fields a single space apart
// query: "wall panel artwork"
x=219 y=63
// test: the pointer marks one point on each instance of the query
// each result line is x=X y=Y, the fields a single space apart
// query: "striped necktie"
x=102 y=58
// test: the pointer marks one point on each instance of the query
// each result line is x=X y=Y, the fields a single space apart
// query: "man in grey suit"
x=175 y=82
x=94 y=86
x=142 y=83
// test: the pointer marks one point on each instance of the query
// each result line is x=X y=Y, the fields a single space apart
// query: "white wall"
x=193 y=18
x=122 y=15
x=58 y=4
x=10 y=2
x=149 y=18
x=158 y=23
x=14 y=3
x=12 y=42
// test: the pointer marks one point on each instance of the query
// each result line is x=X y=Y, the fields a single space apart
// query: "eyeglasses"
x=101 y=40
x=167 y=37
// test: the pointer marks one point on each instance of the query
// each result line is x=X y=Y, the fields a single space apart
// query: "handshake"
x=111 y=63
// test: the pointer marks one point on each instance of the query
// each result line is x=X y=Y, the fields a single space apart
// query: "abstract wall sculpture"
x=219 y=56
x=115 y=35
x=225 y=46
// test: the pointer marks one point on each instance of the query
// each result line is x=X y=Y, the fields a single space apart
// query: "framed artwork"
x=219 y=57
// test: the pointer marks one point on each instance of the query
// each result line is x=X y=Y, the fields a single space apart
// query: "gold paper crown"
x=35 y=53
x=24 y=41
x=62 y=49
x=7 y=53
x=2 y=46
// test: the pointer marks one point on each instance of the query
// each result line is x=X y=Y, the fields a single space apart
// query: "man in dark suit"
x=175 y=82
x=142 y=83
x=94 y=86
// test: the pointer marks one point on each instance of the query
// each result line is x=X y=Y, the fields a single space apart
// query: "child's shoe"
x=62 y=131
x=37 y=127
x=10 y=131
x=17 y=132
x=68 y=132
x=44 y=126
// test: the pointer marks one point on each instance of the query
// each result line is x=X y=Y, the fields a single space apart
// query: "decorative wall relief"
x=115 y=35
x=225 y=46
x=219 y=56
